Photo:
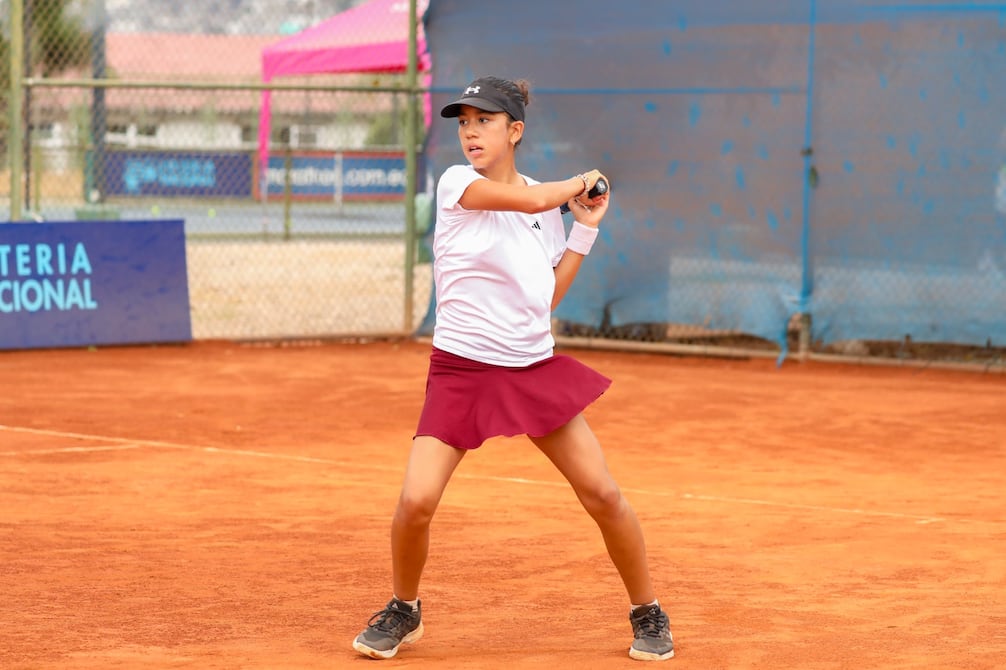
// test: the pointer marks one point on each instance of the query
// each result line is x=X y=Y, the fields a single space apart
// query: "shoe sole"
x=649 y=656
x=389 y=653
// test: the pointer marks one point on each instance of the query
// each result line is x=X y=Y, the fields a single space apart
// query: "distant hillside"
x=262 y=17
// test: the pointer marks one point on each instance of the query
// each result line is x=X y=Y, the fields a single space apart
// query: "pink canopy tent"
x=372 y=37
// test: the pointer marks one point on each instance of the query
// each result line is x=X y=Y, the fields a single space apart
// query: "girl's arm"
x=589 y=215
x=484 y=194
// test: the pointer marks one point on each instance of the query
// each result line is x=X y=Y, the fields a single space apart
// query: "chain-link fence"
x=304 y=237
x=724 y=240
x=792 y=176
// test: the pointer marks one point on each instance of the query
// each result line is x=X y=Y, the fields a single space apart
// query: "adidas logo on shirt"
x=536 y=226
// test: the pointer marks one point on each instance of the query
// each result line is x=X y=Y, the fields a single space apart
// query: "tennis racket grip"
x=600 y=187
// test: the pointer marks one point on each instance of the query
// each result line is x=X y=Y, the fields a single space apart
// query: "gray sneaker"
x=389 y=628
x=652 y=631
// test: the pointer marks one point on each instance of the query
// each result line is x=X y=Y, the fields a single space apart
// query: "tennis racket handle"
x=600 y=187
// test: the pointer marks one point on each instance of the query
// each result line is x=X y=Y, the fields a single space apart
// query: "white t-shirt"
x=494 y=277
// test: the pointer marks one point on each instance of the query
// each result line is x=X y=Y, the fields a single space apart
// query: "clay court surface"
x=220 y=505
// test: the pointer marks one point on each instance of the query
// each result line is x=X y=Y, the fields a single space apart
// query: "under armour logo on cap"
x=471 y=90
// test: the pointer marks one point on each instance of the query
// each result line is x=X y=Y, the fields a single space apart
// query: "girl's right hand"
x=592 y=178
x=589 y=211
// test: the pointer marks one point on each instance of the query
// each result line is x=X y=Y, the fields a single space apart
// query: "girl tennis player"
x=502 y=263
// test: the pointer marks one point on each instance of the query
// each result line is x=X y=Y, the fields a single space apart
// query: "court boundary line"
x=72 y=450
x=127 y=444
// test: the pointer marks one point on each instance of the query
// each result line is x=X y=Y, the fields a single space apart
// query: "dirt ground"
x=220 y=505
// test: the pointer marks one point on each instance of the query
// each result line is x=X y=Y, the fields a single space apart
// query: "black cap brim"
x=454 y=109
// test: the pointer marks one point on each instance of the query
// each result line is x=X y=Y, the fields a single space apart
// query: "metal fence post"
x=410 y=173
x=29 y=153
x=287 y=192
x=99 y=111
x=809 y=183
x=15 y=136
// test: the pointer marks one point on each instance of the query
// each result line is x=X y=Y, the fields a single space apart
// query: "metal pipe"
x=29 y=155
x=809 y=183
x=99 y=112
x=15 y=136
x=713 y=351
x=411 y=140
x=40 y=82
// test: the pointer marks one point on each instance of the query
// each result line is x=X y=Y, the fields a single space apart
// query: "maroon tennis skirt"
x=468 y=402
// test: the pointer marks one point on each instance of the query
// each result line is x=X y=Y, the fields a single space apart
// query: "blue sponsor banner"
x=311 y=176
x=178 y=173
x=338 y=176
x=93 y=282
x=373 y=175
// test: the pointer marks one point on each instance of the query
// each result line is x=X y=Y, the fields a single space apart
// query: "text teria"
x=45 y=277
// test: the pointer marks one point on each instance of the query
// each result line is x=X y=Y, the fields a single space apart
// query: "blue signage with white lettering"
x=310 y=177
x=93 y=282
x=339 y=176
x=373 y=175
x=180 y=173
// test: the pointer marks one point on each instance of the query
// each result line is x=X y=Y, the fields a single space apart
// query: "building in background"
x=215 y=119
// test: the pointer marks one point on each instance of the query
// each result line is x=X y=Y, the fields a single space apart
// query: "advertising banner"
x=309 y=176
x=189 y=174
x=66 y=284
x=337 y=176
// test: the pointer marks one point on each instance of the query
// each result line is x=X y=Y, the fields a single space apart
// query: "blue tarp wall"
x=842 y=158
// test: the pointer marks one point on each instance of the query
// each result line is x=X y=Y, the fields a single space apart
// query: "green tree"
x=59 y=40
x=56 y=40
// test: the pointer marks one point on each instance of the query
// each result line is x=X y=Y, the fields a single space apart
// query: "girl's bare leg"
x=431 y=464
x=575 y=451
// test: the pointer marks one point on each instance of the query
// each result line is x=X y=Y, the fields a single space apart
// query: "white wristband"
x=581 y=238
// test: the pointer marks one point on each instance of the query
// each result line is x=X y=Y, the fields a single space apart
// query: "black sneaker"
x=389 y=628
x=652 y=631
